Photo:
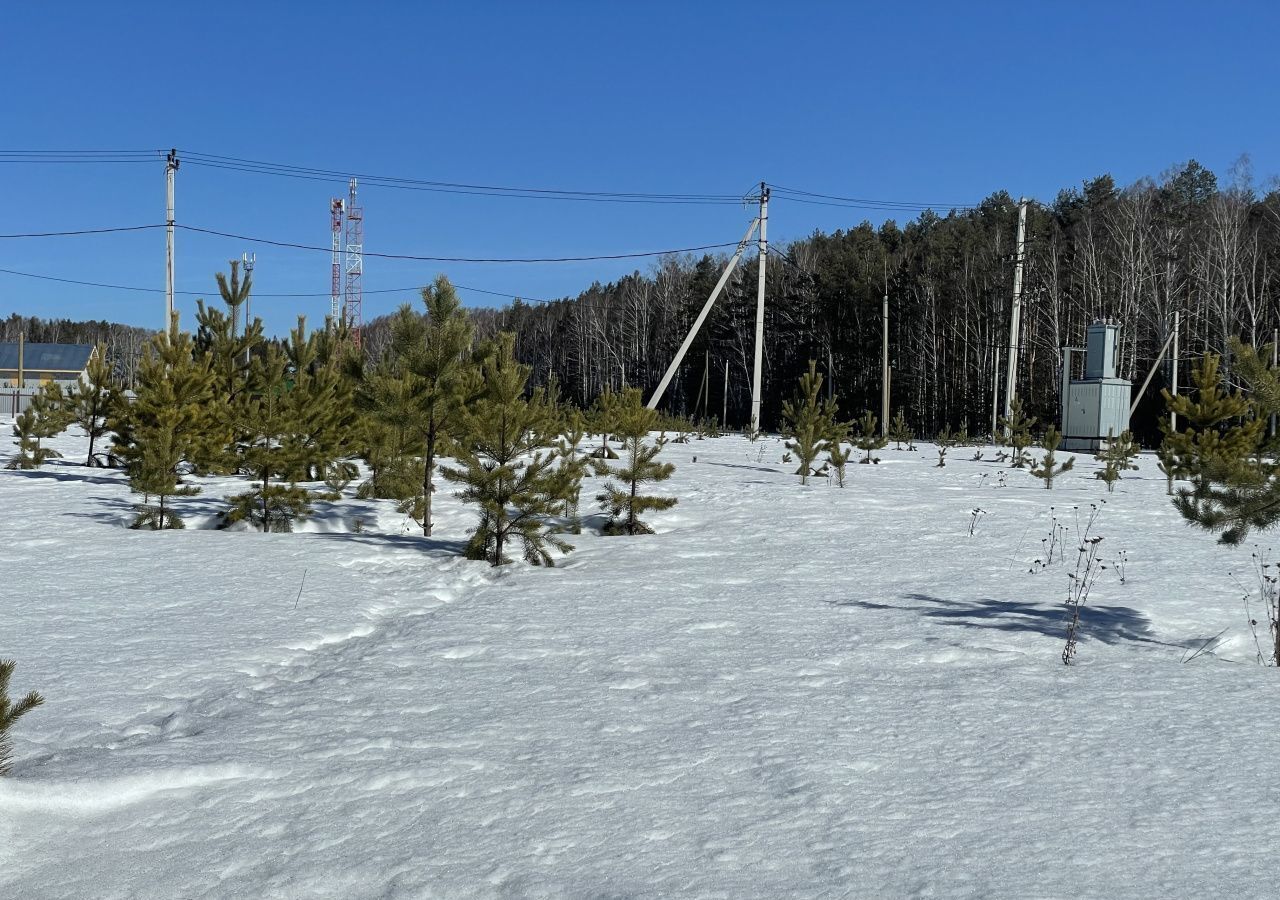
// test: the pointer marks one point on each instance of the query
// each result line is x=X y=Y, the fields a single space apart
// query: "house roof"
x=46 y=357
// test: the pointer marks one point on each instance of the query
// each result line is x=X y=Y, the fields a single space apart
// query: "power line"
x=862 y=202
x=45 y=234
x=150 y=290
x=458 y=259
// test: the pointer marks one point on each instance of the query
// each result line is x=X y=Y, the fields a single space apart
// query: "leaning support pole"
x=757 y=369
x=1159 y=359
x=1015 y=314
x=702 y=317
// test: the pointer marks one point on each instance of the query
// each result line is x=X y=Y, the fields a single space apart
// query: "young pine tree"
x=90 y=401
x=945 y=440
x=158 y=430
x=1017 y=428
x=11 y=712
x=899 y=433
x=867 y=438
x=506 y=467
x=265 y=417
x=1048 y=468
x=838 y=454
x=45 y=418
x=638 y=467
x=809 y=421
x=602 y=418
x=1117 y=457
x=436 y=350
x=1233 y=488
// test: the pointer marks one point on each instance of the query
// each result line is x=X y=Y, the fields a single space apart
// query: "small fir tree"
x=506 y=466
x=867 y=438
x=1117 y=457
x=899 y=433
x=1048 y=468
x=809 y=421
x=572 y=459
x=1017 y=428
x=11 y=712
x=622 y=499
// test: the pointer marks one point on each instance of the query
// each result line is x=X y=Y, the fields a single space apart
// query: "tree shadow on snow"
x=65 y=476
x=1108 y=624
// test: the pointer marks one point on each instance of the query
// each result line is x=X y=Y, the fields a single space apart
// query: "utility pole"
x=1275 y=361
x=884 y=355
x=1015 y=318
x=759 y=360
x=724 y=412
x=248 y=260
x=1173 y=416
x=170 y=168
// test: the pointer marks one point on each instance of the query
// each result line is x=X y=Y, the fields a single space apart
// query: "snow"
x=788 y=691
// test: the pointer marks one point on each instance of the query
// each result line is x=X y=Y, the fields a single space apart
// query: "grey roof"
x=46 y=357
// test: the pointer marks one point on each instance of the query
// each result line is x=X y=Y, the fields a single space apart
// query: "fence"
x=14 y=401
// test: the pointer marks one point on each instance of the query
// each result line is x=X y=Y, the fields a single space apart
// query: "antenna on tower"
x=335 y=286
x=354 y=291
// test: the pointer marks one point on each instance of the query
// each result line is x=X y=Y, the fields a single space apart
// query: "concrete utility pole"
x=759 y=360
x=1015 y=318
x=170 y=168
x=702 y=317
x=724 y=411
x=248 y=260
x=1173 y=416
x=884 y=356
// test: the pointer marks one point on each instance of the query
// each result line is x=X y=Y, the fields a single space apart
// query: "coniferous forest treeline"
x=1188 y=242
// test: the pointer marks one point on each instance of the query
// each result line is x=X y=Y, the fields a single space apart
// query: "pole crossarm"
x=702 y=317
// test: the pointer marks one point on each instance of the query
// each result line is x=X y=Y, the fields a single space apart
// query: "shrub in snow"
x=11 y=712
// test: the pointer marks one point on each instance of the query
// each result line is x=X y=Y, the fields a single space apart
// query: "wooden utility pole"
x=758 y=369
x=170 y=168
x=1015 y=317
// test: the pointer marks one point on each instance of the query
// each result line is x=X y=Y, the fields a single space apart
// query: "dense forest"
x=1135 y=255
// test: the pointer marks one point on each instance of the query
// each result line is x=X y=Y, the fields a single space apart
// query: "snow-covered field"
x=787 y=692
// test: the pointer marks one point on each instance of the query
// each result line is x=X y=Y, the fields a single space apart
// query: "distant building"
x=25 y=366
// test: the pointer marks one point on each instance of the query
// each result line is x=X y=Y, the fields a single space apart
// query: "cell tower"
x=354 y=292
x=335 y=286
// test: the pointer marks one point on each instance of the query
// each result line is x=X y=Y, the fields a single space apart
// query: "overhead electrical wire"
x=459 y=259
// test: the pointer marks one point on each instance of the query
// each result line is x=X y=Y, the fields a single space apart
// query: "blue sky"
x=938 y=102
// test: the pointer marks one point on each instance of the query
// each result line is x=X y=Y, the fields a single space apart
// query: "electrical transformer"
x=1097 y=404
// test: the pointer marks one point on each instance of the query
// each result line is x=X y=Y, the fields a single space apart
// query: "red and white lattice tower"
x=335 y=283
x=353 y=292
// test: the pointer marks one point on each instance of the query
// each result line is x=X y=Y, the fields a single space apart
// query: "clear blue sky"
x=938 y=102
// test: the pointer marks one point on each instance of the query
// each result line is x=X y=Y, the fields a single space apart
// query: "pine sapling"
x=1048 y=468
x=944 y=440
x=11 y=712
x=622 y=498
x=899 y=433
x=809 y=421
x=838 y=457
x=867 y=438
x=1017 y=427
x=1117 y=457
